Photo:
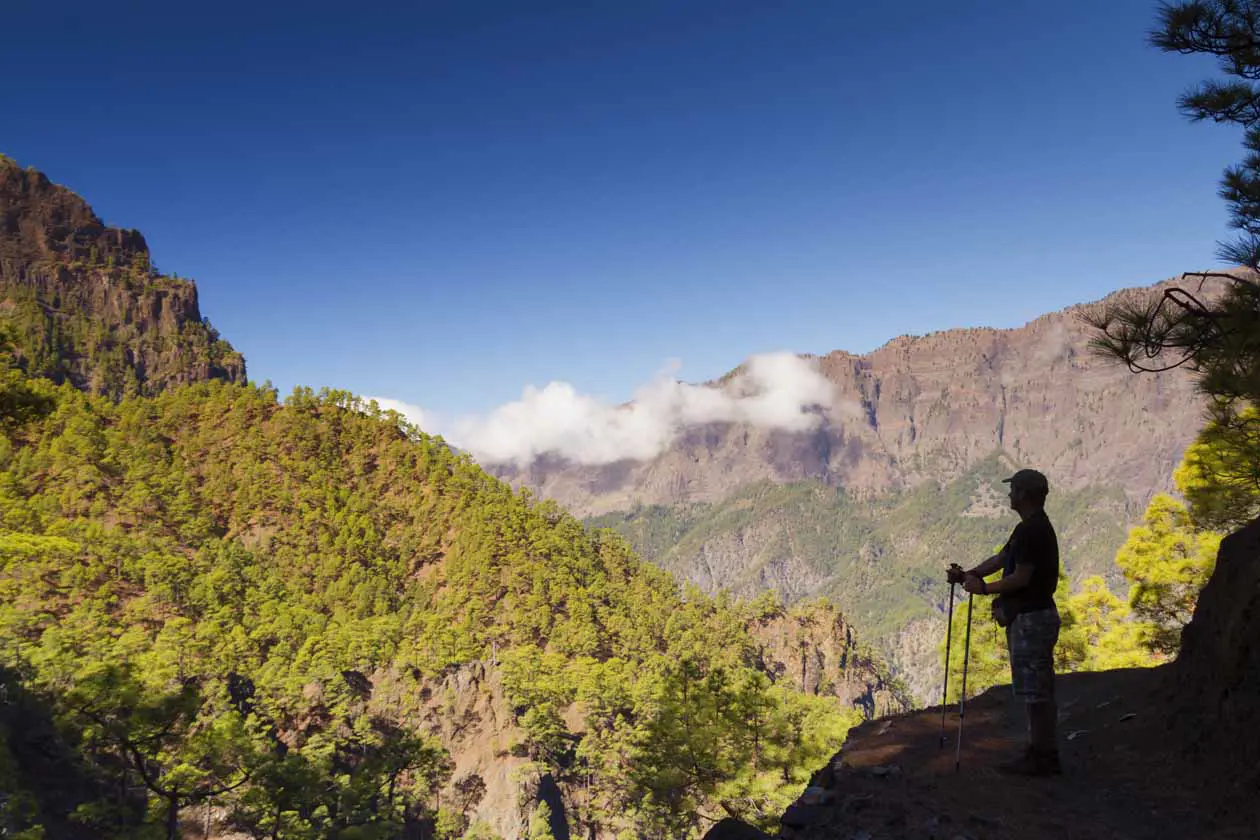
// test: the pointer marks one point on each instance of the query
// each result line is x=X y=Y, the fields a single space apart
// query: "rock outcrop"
x=1215 y=688
x=468 y=711
x=84 y=303
x=818 y=652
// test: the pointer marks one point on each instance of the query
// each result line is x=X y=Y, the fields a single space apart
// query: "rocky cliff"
x=84 y=303
x=469 y=711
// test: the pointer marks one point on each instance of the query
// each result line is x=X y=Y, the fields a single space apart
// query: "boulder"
x=732 y=829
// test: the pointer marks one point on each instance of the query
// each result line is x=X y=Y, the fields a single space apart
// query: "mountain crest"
x=84 y=304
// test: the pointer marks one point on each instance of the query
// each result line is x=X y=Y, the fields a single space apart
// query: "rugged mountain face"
x=85 y=304
x=903 y=475
x=922 y=409
x=469 y=710
x=815 y=650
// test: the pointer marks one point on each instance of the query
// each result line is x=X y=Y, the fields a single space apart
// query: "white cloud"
x=414 y=414
x=775 y=390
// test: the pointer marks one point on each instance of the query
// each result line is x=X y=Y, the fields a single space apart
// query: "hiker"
x=1024 y=605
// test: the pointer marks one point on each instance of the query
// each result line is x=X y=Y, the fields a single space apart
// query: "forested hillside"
x=211 y=597
x=305 y=618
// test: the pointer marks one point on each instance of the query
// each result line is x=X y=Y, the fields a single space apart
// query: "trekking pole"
x=949 y=638
x=962 y=697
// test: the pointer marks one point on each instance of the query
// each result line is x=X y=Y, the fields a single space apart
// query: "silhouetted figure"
x=1024 y=605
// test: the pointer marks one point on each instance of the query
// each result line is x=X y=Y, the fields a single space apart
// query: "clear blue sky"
x=444 y=202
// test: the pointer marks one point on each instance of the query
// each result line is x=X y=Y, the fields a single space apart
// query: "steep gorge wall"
x=913 y=423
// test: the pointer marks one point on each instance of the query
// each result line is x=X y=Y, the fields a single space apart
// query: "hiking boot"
x=1033 y=763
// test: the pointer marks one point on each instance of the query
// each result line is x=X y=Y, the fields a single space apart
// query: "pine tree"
x=1167 y=561
x=1101 y=633
x=1219 y=476
x=305 y=571
x=540 y=823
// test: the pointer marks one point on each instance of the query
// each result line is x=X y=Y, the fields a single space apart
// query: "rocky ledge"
x=1123 y=778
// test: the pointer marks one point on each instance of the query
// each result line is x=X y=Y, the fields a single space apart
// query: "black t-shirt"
x=1032 y=541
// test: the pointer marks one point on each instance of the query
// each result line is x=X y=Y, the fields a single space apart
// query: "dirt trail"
x=1123 y=778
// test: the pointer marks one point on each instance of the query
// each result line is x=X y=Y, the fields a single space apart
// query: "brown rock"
x=43 y=222
x=817 y=651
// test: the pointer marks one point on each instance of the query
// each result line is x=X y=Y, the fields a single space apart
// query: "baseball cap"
x=1029 y=480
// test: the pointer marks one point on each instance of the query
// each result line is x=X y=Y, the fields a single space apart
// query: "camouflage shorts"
x=1030 y=639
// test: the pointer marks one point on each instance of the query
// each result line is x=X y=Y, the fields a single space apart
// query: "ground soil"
x=1125 y=776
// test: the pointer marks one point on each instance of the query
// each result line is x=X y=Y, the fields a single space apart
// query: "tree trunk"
x=172 y=816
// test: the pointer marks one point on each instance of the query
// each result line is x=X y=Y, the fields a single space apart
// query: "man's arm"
x=1013 y=582
x=989 y=566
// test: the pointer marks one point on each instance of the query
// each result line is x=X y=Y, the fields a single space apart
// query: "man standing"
x=1025 y=607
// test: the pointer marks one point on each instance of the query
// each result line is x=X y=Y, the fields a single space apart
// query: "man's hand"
x=973 y=584
x=955 y=573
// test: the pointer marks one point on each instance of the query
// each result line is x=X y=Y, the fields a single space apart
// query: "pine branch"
x=1232 y=102
x=1224 y=29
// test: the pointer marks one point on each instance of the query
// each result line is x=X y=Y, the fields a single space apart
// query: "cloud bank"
x=777 y=390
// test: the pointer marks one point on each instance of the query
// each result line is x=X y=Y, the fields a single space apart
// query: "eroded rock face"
x=85 y=303
x=42 y=221
x=469 y=712
x=818 y=653
x=916 y=414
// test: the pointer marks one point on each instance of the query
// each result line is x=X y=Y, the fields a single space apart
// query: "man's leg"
x=1032 y=638
x=1043 y=720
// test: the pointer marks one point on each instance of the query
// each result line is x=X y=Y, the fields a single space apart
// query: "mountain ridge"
x=920 y=419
